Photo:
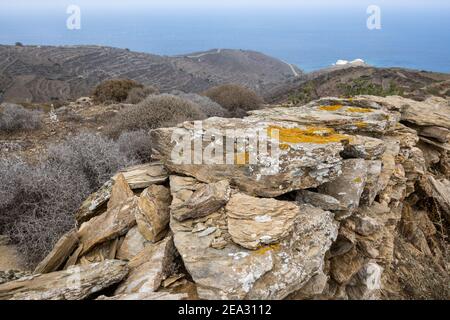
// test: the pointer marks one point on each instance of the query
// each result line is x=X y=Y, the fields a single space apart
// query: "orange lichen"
x=335 y=107
x=359 y=110
x=319 y=135
x=284 y=146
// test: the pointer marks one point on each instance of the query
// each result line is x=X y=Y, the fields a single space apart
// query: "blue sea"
x=311 y=38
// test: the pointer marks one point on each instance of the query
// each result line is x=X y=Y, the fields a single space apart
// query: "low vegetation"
x=37 y=201
x=14 y=117
x=206 y=105
x=305 y=95
x=155 y=111
x=236 y=99
x=115 y=90
x=364 y=86
x=138 y=94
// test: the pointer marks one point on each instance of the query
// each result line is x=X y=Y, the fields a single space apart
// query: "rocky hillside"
x=44 y=73
x=350 y=80
x=356 y=206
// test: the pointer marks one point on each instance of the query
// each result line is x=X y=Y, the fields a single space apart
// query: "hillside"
x=43 y=73
x=363 y=79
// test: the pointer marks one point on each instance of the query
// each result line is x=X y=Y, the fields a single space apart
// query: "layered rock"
x=341 y=192
x=75 y=283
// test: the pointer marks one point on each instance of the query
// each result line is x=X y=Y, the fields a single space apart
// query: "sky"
x=30 y=5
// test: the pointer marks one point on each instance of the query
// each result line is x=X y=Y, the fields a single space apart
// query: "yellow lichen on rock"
x=358 y=110
x=319 y=135
x=335 y=107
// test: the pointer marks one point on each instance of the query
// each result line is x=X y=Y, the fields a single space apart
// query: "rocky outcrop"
x=75 y=283
x=349 y=192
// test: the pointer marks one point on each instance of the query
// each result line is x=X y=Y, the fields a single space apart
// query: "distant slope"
x=362 y=79
x=43 y=73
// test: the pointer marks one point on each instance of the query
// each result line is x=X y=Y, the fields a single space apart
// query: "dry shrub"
x=14 y=117
x=207 y=106
x=115 y=90
x=136 y=145
x=155 y=111
x=37 y=201
x=138 y=94
x=236 y=99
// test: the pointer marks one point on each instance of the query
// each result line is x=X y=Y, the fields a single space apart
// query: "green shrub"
x=155 y=111
x=115 y=90
x=235 y=98
x=363 y=86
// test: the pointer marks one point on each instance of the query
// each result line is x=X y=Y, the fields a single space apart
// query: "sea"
x=311 y=38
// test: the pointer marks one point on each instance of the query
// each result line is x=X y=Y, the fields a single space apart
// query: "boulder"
x=152 y=212
x=149 y=268
x=120 y=192
x=75 y=283
x=363 y=147
x=308 y=156
x=255 y=222
x=109 y=225
x=348 y=187
x=270 y=272
x=347 y=115
x=132 y=244
x=319 y=200
x=144 y=175
x=203 y=201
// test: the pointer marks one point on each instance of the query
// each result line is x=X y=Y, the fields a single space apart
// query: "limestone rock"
x=152 y=214
x=348 y=115
x=363 y=147
x=308 y=156
x=205 y=200
x=319 y=200
x=75 y=283
x=148 y=268
x=144 y=175
x=348 y=187
x=59 y=254
x=109 y=225
x=132 y=244
x=254 y=222
x=271 y=272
